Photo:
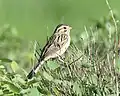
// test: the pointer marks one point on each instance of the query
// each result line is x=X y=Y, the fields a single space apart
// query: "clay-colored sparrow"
x=55 y=47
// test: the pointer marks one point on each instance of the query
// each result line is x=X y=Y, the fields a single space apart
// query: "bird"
x=56 y=45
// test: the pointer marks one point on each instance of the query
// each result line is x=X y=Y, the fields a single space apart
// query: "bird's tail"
x=34 y=70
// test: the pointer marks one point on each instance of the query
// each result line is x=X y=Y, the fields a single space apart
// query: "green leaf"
x=2 y=70
x=34 y=92
x=19 y=79
x=24 y=91
x=94 y=79
x=14 y=66
x=12 y=87
x=77 y=89
x=47 y=76
x=33 y=81
x=1 y=92
x=5 y=60
x=52 y=65
x=43 y=91
x=2 y=67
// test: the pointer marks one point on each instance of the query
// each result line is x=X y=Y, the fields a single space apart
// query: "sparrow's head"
x=63 y=28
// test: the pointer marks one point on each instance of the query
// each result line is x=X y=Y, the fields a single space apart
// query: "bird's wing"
x=54 y=44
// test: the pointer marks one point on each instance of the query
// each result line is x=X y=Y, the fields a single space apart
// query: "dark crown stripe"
x=59 y=26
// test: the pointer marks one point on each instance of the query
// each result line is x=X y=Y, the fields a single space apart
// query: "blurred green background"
x=35 y=19
x=95 y=67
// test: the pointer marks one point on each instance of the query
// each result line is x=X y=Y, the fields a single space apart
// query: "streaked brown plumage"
x=55 y=47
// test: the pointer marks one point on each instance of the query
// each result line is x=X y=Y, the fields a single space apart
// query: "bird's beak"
x=70 y=27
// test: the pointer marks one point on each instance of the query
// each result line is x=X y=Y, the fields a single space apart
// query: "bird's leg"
x=61 y=59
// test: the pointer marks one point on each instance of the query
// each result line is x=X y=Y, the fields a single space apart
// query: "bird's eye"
x=64 y=27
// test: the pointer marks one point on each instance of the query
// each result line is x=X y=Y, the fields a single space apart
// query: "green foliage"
x=90 y=68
